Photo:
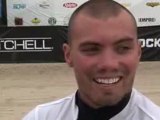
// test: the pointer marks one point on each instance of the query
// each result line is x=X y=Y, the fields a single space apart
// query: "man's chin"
x=107 y=102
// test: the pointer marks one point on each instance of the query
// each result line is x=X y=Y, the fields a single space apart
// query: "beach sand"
x=23 y=86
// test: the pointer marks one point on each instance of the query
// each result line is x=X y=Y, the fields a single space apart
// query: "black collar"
x=105 y=113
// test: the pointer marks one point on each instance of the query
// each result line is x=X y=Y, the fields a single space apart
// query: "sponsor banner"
x=28 y=44
x=150 y=43
x=32 y=44
x=40 y=12
x=58 y=12
x=44 y=44
x=146 y=12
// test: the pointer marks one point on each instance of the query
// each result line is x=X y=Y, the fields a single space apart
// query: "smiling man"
x=104 y=52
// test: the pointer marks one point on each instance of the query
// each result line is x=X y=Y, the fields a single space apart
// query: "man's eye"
x=90 y=50
x=123 y=49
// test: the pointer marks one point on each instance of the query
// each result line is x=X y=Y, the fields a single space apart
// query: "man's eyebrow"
x=89 y=43
x=125 y=40
x=92 y=43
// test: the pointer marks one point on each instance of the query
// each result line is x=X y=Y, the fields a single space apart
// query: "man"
x=104 y=52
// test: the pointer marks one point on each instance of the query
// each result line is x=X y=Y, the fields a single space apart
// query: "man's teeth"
x=108 y=80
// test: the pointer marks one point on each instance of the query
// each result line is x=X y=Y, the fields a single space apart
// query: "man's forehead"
x=83 y=21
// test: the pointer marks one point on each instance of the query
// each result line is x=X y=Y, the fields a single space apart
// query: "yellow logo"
x=126 y=4
x=36 y=20
x=152 y=4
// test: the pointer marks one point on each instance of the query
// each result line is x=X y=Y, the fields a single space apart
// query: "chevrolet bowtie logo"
x=152 y=4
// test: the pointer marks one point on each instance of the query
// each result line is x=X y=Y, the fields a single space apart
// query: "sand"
x=23 y=86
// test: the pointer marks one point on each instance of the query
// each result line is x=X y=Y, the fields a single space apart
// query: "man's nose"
x=108 y=61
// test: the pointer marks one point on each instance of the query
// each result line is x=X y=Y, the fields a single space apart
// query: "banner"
x=40 y=12
x=58 y=12
x=32 y=44
x=146 y=12
x=36 y=29
x=150 y=43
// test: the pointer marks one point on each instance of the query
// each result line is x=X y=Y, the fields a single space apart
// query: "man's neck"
x=88 y=113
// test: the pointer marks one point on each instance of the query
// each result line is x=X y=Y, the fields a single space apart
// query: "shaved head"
x=97 y=9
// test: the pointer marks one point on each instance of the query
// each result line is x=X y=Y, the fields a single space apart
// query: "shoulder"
x=57 y=104
x=146 y=107
x=58 y=108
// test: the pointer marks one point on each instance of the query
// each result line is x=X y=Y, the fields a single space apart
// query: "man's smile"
x=107 y=80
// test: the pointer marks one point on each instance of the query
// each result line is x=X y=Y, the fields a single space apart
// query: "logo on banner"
x=18 y=21
x=147 y=19
x=35 y=20
x=44 y=5
x=66 y=20
x=126 y=4
x=70 y=5
x=153 y=4
x=19 y=6
x=41 y=44
x=150 y=42
x=52 y=21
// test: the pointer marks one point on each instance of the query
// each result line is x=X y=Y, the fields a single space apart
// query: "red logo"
x=70 y=5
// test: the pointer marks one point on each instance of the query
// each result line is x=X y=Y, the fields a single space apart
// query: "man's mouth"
x=107 y=81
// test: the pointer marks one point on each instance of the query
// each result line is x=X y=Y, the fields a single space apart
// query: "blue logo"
x=19 y=6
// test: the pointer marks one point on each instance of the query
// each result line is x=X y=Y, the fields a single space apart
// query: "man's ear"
x=67 y=54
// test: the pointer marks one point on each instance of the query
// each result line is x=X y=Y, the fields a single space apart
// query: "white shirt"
x=138 y=108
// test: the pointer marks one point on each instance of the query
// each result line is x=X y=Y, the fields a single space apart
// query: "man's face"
x=104 y=55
